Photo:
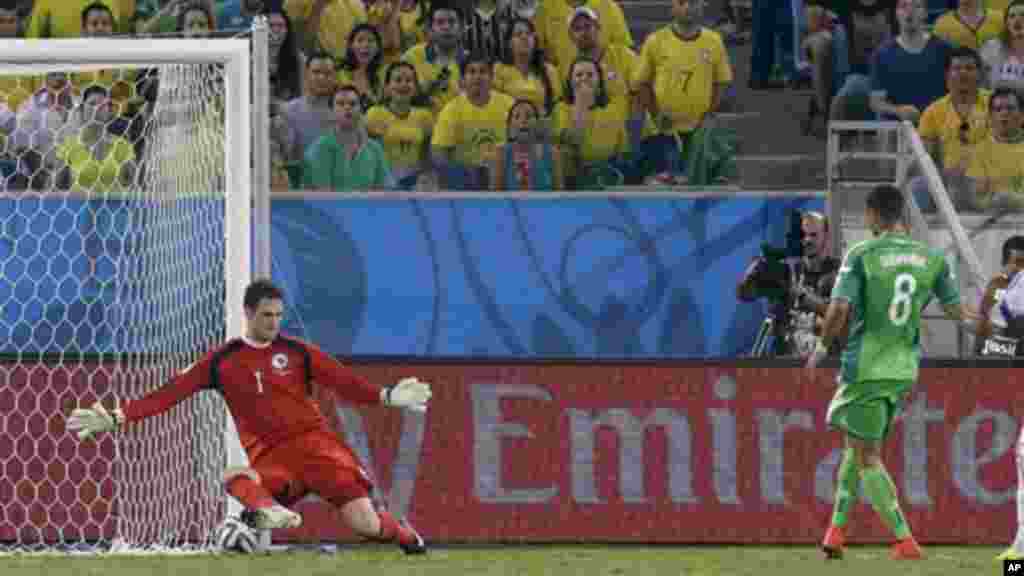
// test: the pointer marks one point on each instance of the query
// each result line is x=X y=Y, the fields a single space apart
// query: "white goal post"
x=147 y=263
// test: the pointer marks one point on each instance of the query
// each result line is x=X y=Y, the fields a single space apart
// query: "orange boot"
x=833 y=544
x=906 y=549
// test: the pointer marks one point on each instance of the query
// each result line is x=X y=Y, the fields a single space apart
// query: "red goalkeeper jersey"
x=267 y=389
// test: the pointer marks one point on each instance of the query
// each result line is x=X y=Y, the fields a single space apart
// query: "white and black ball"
x=236 y=536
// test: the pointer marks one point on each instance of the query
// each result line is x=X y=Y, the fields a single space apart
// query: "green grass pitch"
x=583 y=560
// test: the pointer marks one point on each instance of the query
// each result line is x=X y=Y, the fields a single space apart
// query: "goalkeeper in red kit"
x=265 y=379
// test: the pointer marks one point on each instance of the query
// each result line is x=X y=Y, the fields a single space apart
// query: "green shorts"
x=865 y=410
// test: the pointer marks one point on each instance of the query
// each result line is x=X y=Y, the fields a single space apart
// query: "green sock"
x=847 y=483
x=882 y=494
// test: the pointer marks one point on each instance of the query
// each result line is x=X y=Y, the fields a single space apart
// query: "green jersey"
x=888 y=281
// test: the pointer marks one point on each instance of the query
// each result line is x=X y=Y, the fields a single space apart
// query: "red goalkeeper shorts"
x=316 y=462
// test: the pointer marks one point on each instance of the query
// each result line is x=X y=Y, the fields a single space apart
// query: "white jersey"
x=1012 y=304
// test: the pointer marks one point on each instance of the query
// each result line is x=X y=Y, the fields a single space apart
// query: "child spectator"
x=528 y=161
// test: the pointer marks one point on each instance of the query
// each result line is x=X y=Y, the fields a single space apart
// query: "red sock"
x=250 y=493
x=392 y=531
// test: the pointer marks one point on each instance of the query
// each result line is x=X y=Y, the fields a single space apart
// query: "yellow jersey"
x=940 y=121
x=404 y=138
x=421 y=56
x=63 y=18
x=619 y=65
x=368 y=98
x=90 y=174
x=474 y=132
x=1000 y=165
x=336 y=22
x=952 y=29
x=14 y=90
x=552 y=22
x=604 y=137
x=684 y=74
x=511 y=80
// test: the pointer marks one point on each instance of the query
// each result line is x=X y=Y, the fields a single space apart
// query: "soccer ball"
x=236 y=536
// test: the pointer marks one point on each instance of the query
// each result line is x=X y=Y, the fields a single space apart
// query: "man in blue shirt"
x=238 y=14
x=907 y=72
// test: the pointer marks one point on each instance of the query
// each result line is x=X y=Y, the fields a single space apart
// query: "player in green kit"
x=882 y=287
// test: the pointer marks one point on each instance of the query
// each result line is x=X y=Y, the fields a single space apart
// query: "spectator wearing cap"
x=556 y=38
x=682 y=73
x=439 y=59
x=617 y=62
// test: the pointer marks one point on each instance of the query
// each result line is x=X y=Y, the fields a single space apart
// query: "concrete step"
x=781 y=171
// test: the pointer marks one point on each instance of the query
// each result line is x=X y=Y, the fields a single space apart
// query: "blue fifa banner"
x=531 y=277
x=584 y=277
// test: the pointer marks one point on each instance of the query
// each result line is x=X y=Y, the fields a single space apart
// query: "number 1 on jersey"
x=259 y=381
x=900 y=307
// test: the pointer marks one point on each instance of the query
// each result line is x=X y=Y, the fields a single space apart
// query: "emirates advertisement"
x=680 y=453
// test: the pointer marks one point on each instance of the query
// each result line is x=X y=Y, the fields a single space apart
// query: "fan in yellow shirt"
x=63 y=18
x=98 y=22
x=683 y=71
x=553 y=26
x=99 y=162
x=402 y=125
x=949 y=134
x=326 y=24
x=970 y=25
x=438 y=61
x=472 y=126
x=362 y=66
x=996 y=168
x=588 y=126
x=523 y=74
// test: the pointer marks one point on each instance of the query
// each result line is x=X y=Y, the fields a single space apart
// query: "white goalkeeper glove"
x=409 y=393
x=89 y=421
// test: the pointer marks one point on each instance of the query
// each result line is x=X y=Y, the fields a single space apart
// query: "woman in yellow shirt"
x=402 y=124
x=592 y=132
x=96 y=161
x=361 y=66
x=523 y=74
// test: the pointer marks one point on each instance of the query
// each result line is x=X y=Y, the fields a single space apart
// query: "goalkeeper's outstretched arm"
x=408 y=393
x=98 y=419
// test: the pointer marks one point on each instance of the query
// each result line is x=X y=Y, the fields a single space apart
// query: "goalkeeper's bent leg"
x=244 y=484
x=380 y=525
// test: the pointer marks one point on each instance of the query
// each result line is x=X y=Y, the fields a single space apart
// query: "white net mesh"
x=113 y=267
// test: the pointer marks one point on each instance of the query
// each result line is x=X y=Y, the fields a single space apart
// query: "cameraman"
x=797 y=286
x=995 y=337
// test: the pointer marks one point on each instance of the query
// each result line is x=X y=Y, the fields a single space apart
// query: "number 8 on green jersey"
x=888 y=281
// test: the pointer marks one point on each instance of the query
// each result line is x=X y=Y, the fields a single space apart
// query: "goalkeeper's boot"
x=414 y=545
x=833 y=544
x=906 y=549
x=275 y=516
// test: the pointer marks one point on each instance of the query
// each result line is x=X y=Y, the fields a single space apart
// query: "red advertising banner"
x=629 y=453
x=687 y=454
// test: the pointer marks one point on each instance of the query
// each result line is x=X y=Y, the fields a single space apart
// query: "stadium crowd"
x=954 y=68
x=396 y=94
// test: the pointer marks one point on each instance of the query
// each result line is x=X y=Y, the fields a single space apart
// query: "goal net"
x=120 y=266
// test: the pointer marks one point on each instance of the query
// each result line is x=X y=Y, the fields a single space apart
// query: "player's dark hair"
x=96 y=6
x=962 y=53
x=1013 y=243
x=887 y=201
x=259 y=290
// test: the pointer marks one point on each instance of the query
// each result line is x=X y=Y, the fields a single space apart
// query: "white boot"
x=276 y=516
